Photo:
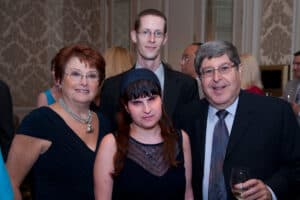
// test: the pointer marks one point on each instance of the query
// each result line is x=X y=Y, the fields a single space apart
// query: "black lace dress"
x=146 y=175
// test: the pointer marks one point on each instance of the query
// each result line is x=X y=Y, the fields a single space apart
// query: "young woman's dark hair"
x=136 y=89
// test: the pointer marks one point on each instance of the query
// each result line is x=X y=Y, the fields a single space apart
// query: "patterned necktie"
x=297 y=99
x=217 y=188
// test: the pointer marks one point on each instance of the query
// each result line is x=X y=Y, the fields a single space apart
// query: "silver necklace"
x=87 y=121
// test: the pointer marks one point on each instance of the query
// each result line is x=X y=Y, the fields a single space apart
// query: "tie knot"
x=222 y=114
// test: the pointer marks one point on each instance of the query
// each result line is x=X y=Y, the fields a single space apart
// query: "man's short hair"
x=150 y=11
x=214 y=49
x=297 y=53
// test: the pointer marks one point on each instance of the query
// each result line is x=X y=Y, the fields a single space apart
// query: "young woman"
x=146 y=158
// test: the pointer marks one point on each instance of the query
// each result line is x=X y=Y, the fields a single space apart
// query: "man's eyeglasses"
x=148 y=33
x=223 y=69
x=296 y=64
x=77 y=76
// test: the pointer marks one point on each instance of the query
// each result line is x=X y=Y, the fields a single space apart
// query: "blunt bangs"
x=140 y=89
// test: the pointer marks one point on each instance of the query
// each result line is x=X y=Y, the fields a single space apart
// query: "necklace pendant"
x=89 y=128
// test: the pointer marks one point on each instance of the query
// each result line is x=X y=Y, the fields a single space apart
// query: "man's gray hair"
x=214 y=49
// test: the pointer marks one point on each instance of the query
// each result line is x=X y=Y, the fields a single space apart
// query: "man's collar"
x=231 y=109
x=158 y=69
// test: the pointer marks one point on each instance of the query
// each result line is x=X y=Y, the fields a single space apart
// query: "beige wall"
x=276 y=32
x=31 y=32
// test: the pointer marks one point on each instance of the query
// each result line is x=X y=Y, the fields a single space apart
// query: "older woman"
x=58 y=142
x=146 y=158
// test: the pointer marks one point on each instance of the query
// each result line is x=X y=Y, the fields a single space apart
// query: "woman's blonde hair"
x=250 y=72
x=118 y=60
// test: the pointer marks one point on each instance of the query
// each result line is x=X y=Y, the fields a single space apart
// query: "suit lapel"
x=240 y=125
x=201 y=131
x=170 y=91
x=198 y=139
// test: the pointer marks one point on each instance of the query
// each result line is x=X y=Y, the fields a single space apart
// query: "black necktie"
x=217 y=188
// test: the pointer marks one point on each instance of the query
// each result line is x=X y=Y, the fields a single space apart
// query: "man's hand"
x=296 y=108
x=254 y=189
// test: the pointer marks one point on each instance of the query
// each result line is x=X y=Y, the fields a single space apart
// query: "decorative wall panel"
x=31 y=32
x=121 y=23
x=276 y=32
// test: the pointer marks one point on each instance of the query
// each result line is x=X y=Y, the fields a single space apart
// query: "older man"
x=232 y=128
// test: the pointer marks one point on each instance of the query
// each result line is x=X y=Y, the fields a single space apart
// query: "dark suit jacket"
x=6 y=119
x=179 y=89
x=265 y=138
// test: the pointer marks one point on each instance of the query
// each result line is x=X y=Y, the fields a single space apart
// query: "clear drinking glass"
x=238 y=175
x=288 y=98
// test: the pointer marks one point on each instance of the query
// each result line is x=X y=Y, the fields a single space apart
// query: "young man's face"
x=150 y=37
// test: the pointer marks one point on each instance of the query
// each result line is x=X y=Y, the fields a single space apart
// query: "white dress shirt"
x=212 y=119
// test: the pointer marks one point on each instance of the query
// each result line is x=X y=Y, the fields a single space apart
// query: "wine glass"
x=288 y=98
x=268 y=94
x=238 y=175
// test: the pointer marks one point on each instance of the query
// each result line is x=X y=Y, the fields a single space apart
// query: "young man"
x=258 y=132
x=149 y=36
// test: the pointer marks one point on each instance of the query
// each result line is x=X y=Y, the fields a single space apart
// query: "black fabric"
x=136 y=183
x=65 y=170
x=6 y=119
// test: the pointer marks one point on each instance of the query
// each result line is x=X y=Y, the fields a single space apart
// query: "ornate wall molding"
x=276 y=31
x=31 y=32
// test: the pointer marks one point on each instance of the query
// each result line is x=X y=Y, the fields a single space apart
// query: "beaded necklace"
x=87 y=121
